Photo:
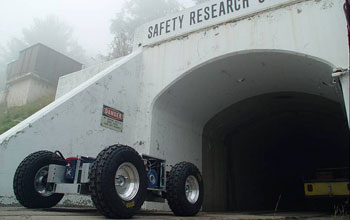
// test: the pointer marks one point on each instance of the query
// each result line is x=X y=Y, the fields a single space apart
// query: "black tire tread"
x=174 y=183
x=95 y=176
x=19 y=179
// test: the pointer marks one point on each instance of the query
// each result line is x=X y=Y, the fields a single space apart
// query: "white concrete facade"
x=70 y=81
x=169 y=89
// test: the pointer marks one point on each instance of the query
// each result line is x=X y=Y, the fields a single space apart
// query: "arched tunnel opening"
x=257 y=153
x=256 y=123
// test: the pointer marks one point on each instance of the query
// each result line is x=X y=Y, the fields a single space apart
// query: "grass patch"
x=10 y=117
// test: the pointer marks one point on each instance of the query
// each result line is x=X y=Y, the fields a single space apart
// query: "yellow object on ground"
x=327 y=189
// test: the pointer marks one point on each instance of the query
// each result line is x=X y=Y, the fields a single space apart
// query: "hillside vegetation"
x=10 y=117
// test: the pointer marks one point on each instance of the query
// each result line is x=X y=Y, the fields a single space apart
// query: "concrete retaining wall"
x=71 y=124
x=70 y=81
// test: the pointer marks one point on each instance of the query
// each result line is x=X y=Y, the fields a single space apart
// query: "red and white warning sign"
x=112 y=118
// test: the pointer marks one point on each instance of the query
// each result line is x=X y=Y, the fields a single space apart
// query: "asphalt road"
x=20 y=213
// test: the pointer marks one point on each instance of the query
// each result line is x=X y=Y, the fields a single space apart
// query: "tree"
x=134 y=14
x=56 y=34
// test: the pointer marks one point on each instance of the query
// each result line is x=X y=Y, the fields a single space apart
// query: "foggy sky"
x=90 y=19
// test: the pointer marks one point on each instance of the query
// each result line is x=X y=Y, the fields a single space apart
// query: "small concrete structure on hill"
x=35 y=74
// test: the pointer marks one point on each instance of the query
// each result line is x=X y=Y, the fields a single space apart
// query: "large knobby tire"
x=29 y=183
x=185 y=189
x=118 y=182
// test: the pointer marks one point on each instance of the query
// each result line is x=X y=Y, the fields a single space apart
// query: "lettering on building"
x=197 y=16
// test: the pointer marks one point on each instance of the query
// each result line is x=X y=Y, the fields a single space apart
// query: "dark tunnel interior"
x=259 y=151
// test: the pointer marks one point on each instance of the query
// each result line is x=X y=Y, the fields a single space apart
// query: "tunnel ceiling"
x=211 y=88
x=308 y=112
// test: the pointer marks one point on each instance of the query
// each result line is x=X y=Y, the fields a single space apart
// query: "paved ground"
x=19 y=213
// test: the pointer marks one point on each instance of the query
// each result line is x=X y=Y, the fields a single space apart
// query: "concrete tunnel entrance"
x=257 y=122
x=264 y=146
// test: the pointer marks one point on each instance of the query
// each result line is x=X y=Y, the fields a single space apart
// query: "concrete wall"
x=39 y=88
x=81 y=108
x=18 y=92
x=2 y=79
x=43 y=61
x=2 y=97
x=28 y=88
x=161 y=90
x=70 y=81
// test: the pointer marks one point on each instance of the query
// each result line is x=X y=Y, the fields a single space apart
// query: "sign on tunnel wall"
x=204 y=15
x=112 y=119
